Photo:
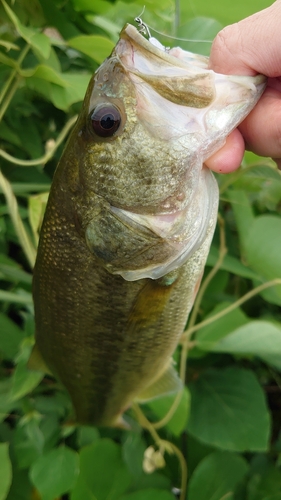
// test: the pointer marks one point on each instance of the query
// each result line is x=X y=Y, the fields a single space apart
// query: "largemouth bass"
x=129 y=222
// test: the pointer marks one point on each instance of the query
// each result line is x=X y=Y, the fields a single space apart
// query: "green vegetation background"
x=225 y=430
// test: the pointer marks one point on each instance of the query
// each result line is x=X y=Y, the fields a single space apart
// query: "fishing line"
x=178 y=38
x=145 y=28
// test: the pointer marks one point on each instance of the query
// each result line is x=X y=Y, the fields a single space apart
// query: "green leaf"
x=6 y=405
x=208 y=336
x=95 y=46
x=198 y=28
x=161 y=406
x=10 y=337
x=55 y=473
x=133 y=453
x=234 y=12
x=265 y=480
x=155 y=480
x=5 y=470
x=39 y=41
x=243 y=212
x=45 y=72
x=21 y=488
x=262 y=248
x=262 y=172
x=14 y=274
x=228 y=410
x=217 y=476
x=275 y=496
x=8 y=61
x=28 y=443
x=9 y=135
x=100 y=6
x=103 y=474
x=256 y=338
x=36 y=209
x=149 y=494
x=24 y=380
x=62 y=98
x=231 y=264
x=87 y=435
x=110 y=27
x=16 y=298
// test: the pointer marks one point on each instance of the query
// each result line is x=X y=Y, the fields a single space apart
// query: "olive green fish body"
x=129 y=222
x=104 y=337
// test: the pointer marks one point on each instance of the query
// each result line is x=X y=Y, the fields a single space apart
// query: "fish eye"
x=106 y=119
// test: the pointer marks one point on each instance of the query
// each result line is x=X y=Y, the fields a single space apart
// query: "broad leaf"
x=217 y=476
x=47 y=73
x=23 y=379
x=208 y=336
x=262 y=248
x=256 y=338
x=234 y=12
x=28 y=443
x=74 y=92
x=228 y=410
x=265 y=480
x=149 y=494
x=10 y=337
x=38 y=41
x=5 y=470
x=133 y=452
x=103 y=474
x=95 y=46
x=161 y=407
x=231 y=264
x=55 y=473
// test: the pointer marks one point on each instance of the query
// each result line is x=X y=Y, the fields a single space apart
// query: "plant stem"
x=24 y=239
x=193 y=317
x=48 y=155
x=8 y=84
x=233 y=306
x=167 y=445
x=212 y=273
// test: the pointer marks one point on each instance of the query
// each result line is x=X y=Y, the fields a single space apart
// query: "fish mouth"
x=177 y=57
x=137 y=246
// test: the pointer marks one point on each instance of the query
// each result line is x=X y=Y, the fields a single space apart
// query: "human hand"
x=250 y=47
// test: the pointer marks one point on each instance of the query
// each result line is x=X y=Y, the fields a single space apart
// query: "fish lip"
x=131 y=33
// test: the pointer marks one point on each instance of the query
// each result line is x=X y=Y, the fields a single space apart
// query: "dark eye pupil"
x=105 y=120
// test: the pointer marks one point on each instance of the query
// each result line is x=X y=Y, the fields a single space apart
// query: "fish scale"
x=129 y=223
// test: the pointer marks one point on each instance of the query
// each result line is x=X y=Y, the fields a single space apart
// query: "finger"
x=262 y=128
x=250 y=46
x=229 y=157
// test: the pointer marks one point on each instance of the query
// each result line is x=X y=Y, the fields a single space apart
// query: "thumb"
x=250 y=46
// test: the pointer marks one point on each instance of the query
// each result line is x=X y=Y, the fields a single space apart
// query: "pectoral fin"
x=168 y=383
x=36 y=362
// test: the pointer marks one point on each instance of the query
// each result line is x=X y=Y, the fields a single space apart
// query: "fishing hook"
x=142 y=27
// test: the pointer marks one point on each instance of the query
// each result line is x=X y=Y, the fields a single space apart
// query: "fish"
x=129 y=222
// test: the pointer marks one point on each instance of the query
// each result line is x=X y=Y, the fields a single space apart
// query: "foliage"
x=225 y=425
